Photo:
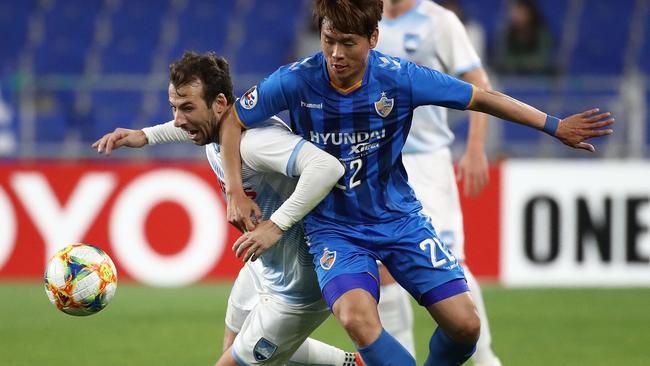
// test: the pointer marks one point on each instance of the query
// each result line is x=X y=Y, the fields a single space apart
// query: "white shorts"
x=274 y=330
x=243 y=298
x=269 y=329
x=433 y=179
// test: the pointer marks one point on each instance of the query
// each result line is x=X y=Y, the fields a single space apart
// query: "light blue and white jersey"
x=268 y=156
x=431 y=36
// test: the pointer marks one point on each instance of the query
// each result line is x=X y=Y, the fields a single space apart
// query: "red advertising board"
x=144 y=215
x=163 y=223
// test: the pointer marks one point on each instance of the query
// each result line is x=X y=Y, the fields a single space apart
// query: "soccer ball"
x=80 y=279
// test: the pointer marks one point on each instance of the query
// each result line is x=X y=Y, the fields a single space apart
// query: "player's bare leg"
x=484 y=355
x=228 y=338
x=395 y=310
x=356 y=310
x=458 y=329
x=226 y=358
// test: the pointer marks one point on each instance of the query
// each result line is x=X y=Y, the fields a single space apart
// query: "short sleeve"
x=453 y=46
x=272 y=148
x=261 y=101
x=431 y=87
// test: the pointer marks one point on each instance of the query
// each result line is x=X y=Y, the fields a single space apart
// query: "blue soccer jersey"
x=365 y=127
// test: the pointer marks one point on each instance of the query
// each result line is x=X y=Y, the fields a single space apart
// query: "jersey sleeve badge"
x=249 y=99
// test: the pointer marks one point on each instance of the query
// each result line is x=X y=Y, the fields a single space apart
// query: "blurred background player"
x=430 y=35
x=526 y=46
x=275 y=302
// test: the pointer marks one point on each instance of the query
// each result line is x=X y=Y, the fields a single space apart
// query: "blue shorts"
x=408 y=247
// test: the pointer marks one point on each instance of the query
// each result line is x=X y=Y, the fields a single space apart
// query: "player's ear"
x=220 y=104
x=374 y=37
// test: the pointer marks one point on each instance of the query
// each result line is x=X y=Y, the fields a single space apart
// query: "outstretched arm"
x=572 y=131
x=158 y=134
x=240 y=207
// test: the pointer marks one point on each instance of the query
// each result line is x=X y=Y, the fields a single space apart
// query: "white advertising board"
x=575 y=223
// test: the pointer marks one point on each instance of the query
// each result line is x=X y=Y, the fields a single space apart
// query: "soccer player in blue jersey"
x=432 y=36
x=357 y=104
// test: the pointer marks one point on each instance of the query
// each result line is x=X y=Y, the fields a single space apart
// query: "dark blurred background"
x=71 y=71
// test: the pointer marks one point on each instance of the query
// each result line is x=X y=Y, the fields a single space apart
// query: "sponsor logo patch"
x=249 y=99
x=384 y=105
x=327 y=259
x=264 y=349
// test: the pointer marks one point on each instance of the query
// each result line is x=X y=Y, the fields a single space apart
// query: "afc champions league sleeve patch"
x=327 y=259
x=264 y=349
x=249 y=99
x=384 y=105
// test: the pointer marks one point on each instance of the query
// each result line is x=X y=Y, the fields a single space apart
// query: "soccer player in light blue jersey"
x=275 y=302
x=357 y=104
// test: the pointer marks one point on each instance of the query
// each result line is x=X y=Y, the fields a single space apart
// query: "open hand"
x=118 y=138
x=576 y=129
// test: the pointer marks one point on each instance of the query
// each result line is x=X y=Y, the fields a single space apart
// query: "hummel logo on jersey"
x=328 y=259
x=311 y=105
x=384 y=105
x=249 y=100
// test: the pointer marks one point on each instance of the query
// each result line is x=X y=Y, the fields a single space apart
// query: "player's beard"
x=213 y=131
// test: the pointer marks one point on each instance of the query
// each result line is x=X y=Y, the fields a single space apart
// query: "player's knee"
x=361 y=327
x=353 y=320
x=467 y=330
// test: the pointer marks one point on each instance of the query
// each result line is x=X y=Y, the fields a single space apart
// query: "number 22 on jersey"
x=354 y=166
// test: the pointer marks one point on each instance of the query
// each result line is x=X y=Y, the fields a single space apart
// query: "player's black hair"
x=359 y=17
x=212 y=70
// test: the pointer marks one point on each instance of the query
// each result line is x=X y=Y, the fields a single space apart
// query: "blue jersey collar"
x=352 y=89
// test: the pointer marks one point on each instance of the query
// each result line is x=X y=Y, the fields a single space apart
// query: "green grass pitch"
x=184 y=326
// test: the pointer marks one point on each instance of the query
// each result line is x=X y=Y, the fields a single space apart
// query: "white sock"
x=396 y=314
x=484 y=356
x=313 y=352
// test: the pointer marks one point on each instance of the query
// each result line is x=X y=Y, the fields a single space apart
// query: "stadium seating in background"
x=489 y=13
x=136 y=26
x=94 y=41
x=643 y=59
x=603 y=37
x=14 y=20
x=68 y=31
x=203 y=26
x=269 y=36
x=112 y=109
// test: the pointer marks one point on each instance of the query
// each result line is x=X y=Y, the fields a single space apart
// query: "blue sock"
x=386 y=351
x=445 y=351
